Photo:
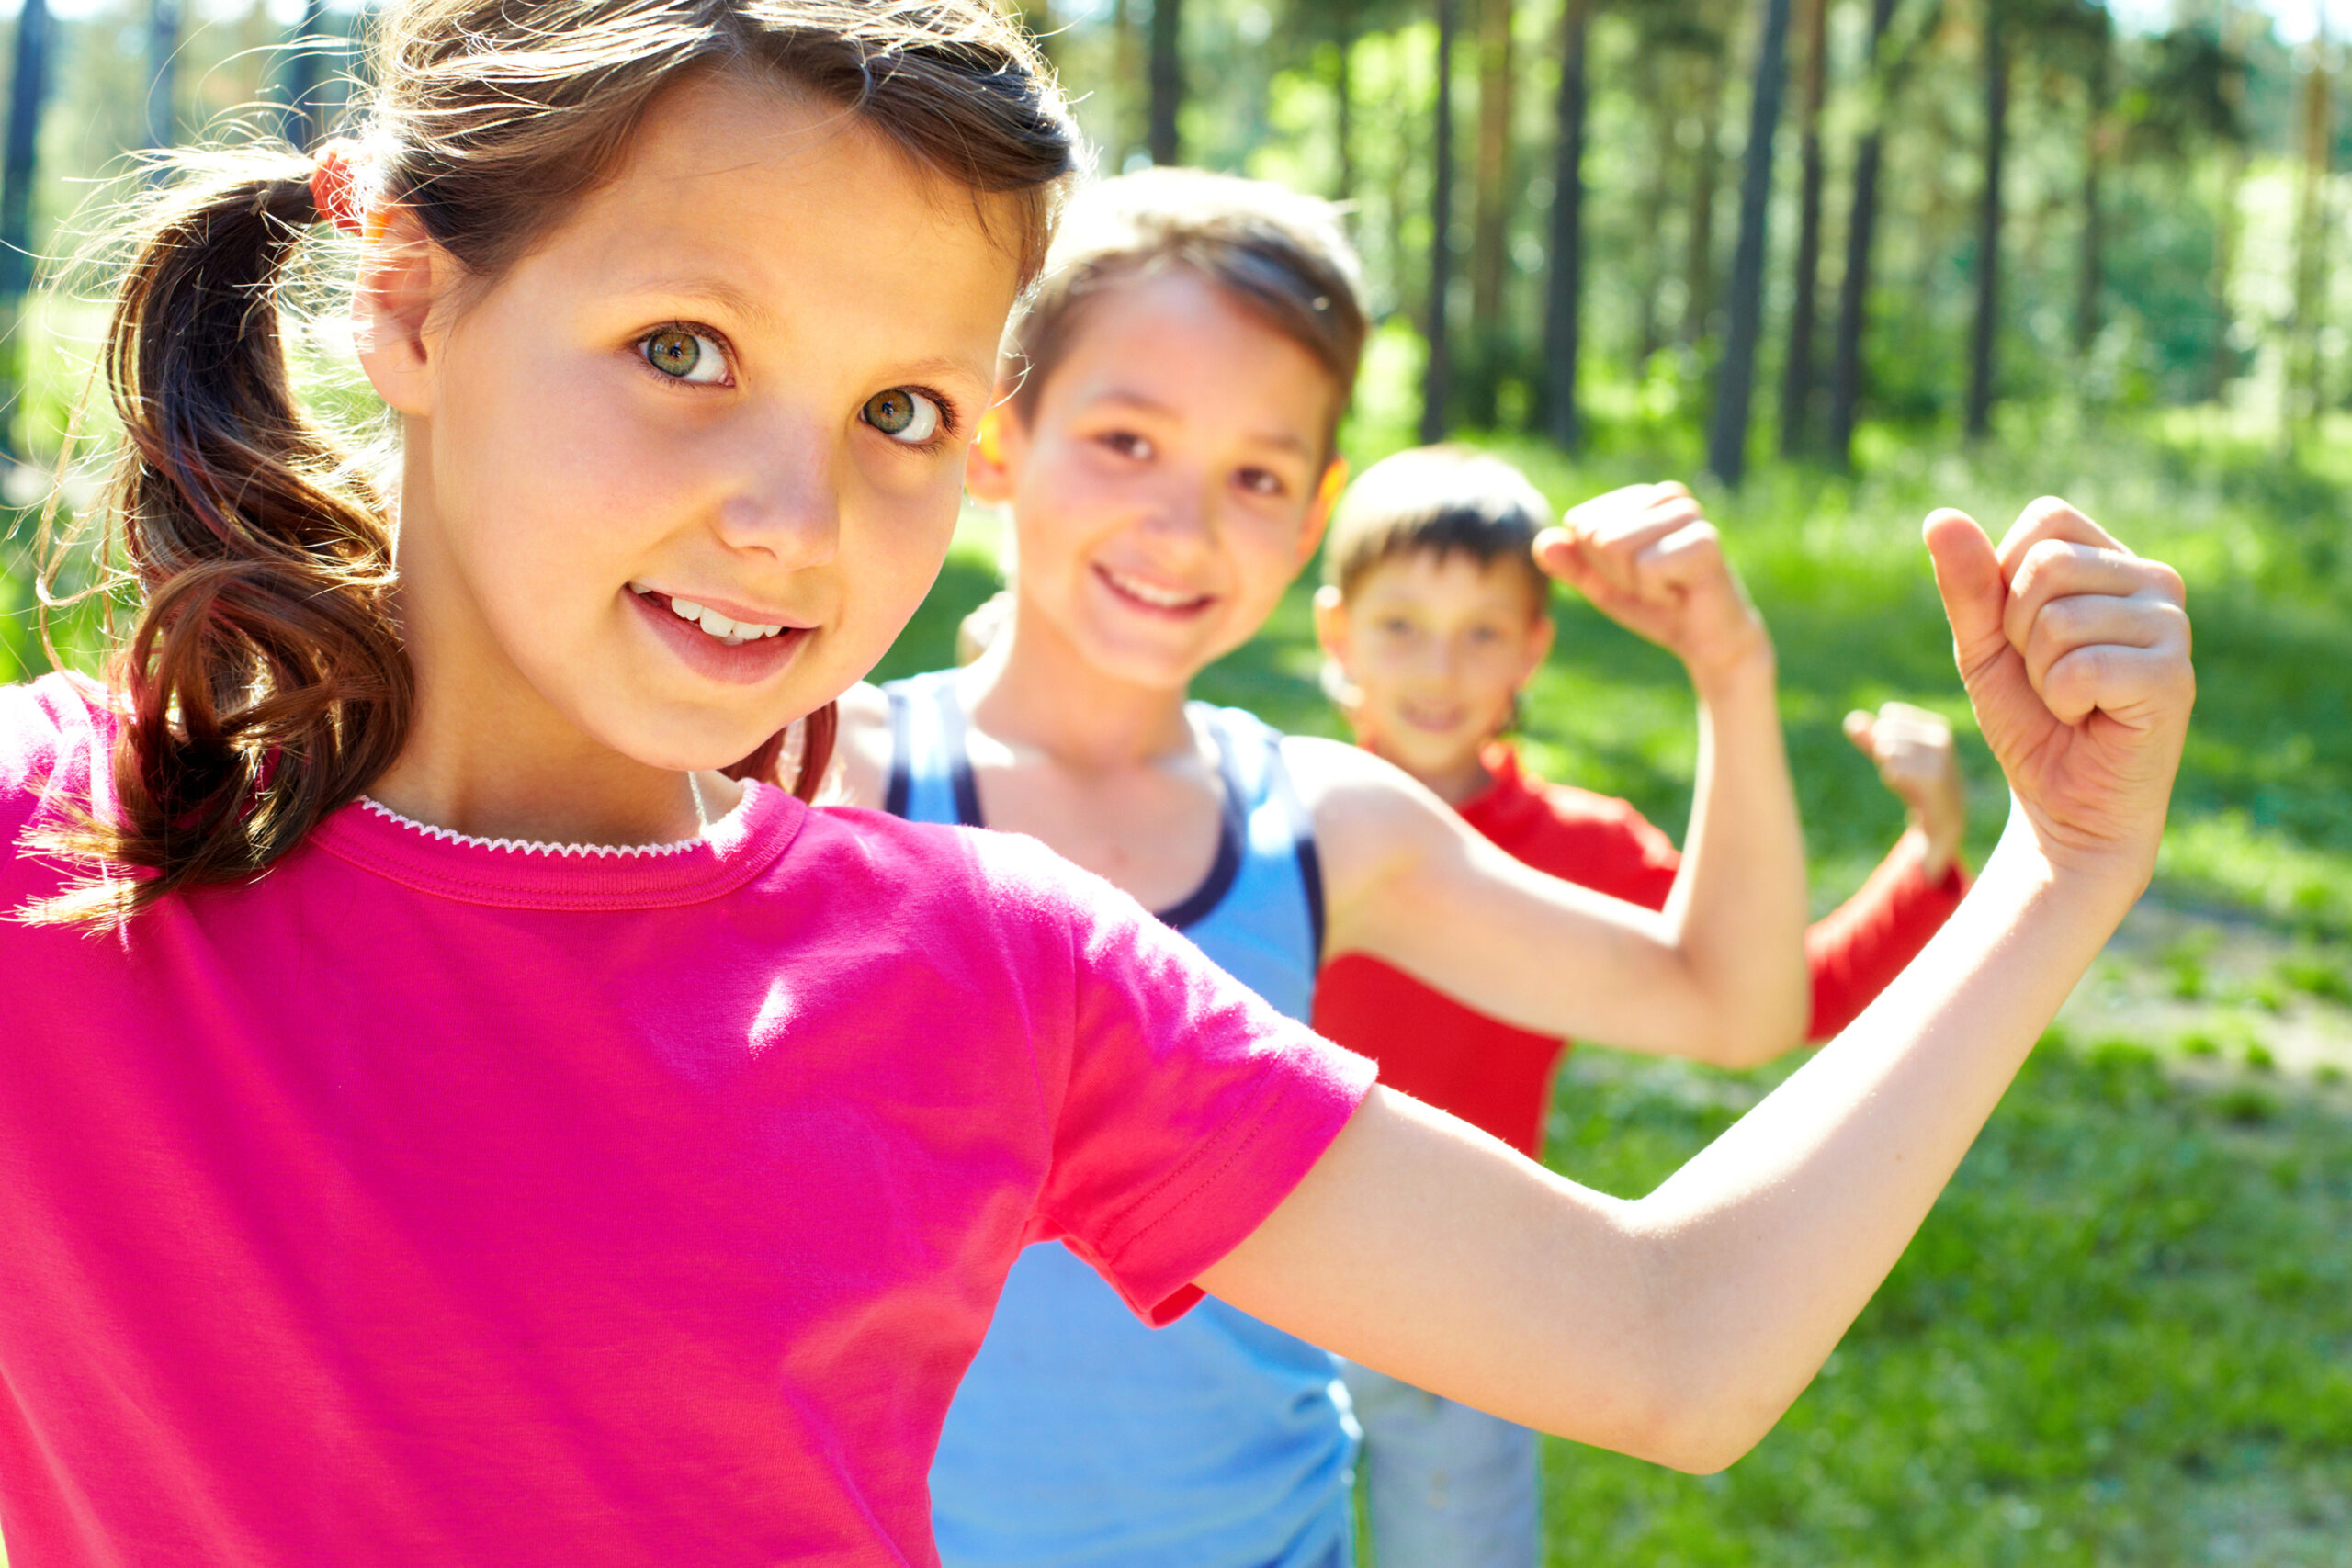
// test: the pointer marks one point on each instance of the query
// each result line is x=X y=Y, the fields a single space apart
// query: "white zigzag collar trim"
x=537 y=847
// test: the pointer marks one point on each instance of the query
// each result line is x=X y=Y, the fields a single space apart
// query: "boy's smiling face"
x=1436 y=648
x=1167 y=479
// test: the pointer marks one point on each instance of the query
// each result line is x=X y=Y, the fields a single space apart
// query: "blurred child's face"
x=1437 y=649
x=738 y=381
x=1166 y=483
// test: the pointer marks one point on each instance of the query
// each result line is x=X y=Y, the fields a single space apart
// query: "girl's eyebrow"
x=715 y=291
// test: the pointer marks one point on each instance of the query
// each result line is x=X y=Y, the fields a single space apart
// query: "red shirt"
x=1499 y=1078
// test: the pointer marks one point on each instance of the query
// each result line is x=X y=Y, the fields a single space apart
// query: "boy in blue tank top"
x=1166 y=445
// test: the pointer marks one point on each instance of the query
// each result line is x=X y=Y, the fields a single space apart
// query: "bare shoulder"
x=863 y=745
x=1367 y=812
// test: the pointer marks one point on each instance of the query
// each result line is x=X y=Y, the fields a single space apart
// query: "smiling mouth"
x=1422 y=718
x=1150 y=595
x=727 y=632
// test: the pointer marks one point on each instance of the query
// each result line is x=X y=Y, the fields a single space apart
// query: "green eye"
x=902 y=415
x=683 y=355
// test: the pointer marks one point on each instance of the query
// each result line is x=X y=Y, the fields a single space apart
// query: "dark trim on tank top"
x=901 y=787
x=960 y=757
x=1195 y=906
x=1302 y=837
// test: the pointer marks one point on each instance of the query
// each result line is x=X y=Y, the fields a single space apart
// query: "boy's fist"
x=1917 y=760
x=2075 y=655
x=1649 y=560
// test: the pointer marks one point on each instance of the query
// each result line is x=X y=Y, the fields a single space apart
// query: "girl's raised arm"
x=1679 y=1326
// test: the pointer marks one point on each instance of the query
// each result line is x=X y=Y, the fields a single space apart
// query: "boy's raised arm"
x=1679 y=1326
x=1720 y=975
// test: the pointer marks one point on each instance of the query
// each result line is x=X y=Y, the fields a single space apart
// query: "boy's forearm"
x=1770 y=1242
x=1740 y=904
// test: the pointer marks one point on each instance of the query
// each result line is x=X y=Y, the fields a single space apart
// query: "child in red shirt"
x=1433 y=617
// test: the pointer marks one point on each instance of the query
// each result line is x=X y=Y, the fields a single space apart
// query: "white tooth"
x=638 y=588
x=770 y=631
x=686 y=609
x=717 y=625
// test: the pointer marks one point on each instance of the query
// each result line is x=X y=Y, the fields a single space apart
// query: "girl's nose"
x=785 y=501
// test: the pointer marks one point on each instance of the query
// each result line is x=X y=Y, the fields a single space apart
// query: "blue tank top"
x=1081 y=1438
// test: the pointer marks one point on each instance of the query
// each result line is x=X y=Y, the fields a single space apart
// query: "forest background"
x=1835 y=262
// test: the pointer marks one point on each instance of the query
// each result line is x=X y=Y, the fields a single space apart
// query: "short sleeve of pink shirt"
x=429 y=1201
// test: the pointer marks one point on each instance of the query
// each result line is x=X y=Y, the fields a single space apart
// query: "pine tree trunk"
x=1706 y=161
x=1735 y=383
x=1861 y=234
x=1343 y=26
x=304 y=110
x=162 y=72
x=1437 y=380
x=1988 y=230
x=2303 y=398
x=1167 y=78
x=1796 y=384
x=2228 y=226
x=2098 y=87
x=1490 y=209
x=1564 y=302
x=29 y=93
x=1653 y=252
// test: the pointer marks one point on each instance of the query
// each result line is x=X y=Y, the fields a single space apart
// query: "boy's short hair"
x=1275 y=252
x=1436 y=500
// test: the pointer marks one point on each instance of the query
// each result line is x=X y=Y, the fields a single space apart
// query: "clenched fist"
x=2075 y=653
x=1648 y=559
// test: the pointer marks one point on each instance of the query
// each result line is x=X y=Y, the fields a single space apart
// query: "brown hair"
x=265 y=681
x=1277 y=253
x=1436 y=500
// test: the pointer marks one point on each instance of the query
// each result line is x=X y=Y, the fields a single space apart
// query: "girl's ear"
x=1318 y=512
x=991 y=467
x=402 y=274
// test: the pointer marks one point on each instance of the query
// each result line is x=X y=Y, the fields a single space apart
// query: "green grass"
x=2125 y=1337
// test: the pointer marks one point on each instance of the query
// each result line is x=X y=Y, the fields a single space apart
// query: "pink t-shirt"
x=429 y=1201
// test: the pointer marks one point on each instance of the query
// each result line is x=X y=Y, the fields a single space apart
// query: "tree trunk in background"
x=29 y=91
x=303 y=111
x=1706 y=159
x=1167 y=78
x=162 y=72
x=2303 y=400
x=1490 y=203
x=1796 y=383
x=1437 y=380
x=2099 y=91
x=1564 y=300
x=1736 y=382
x=1652 y=261
x=1988 y=227
x=1343 y=92
x=1861 y=233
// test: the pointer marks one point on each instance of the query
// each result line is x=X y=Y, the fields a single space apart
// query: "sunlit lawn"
x=2125 y=1337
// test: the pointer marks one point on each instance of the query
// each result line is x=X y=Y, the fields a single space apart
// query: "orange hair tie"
x=334 y=187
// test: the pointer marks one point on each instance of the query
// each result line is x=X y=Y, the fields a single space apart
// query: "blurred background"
x=1834 y=261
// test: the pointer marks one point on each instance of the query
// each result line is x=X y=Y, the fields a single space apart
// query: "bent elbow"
x=1696 y=1442
x=1742 y=1044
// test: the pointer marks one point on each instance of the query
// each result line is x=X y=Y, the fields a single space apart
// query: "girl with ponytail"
x=457 y=1108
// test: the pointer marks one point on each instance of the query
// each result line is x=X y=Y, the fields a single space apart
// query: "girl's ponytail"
x=265 y=684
